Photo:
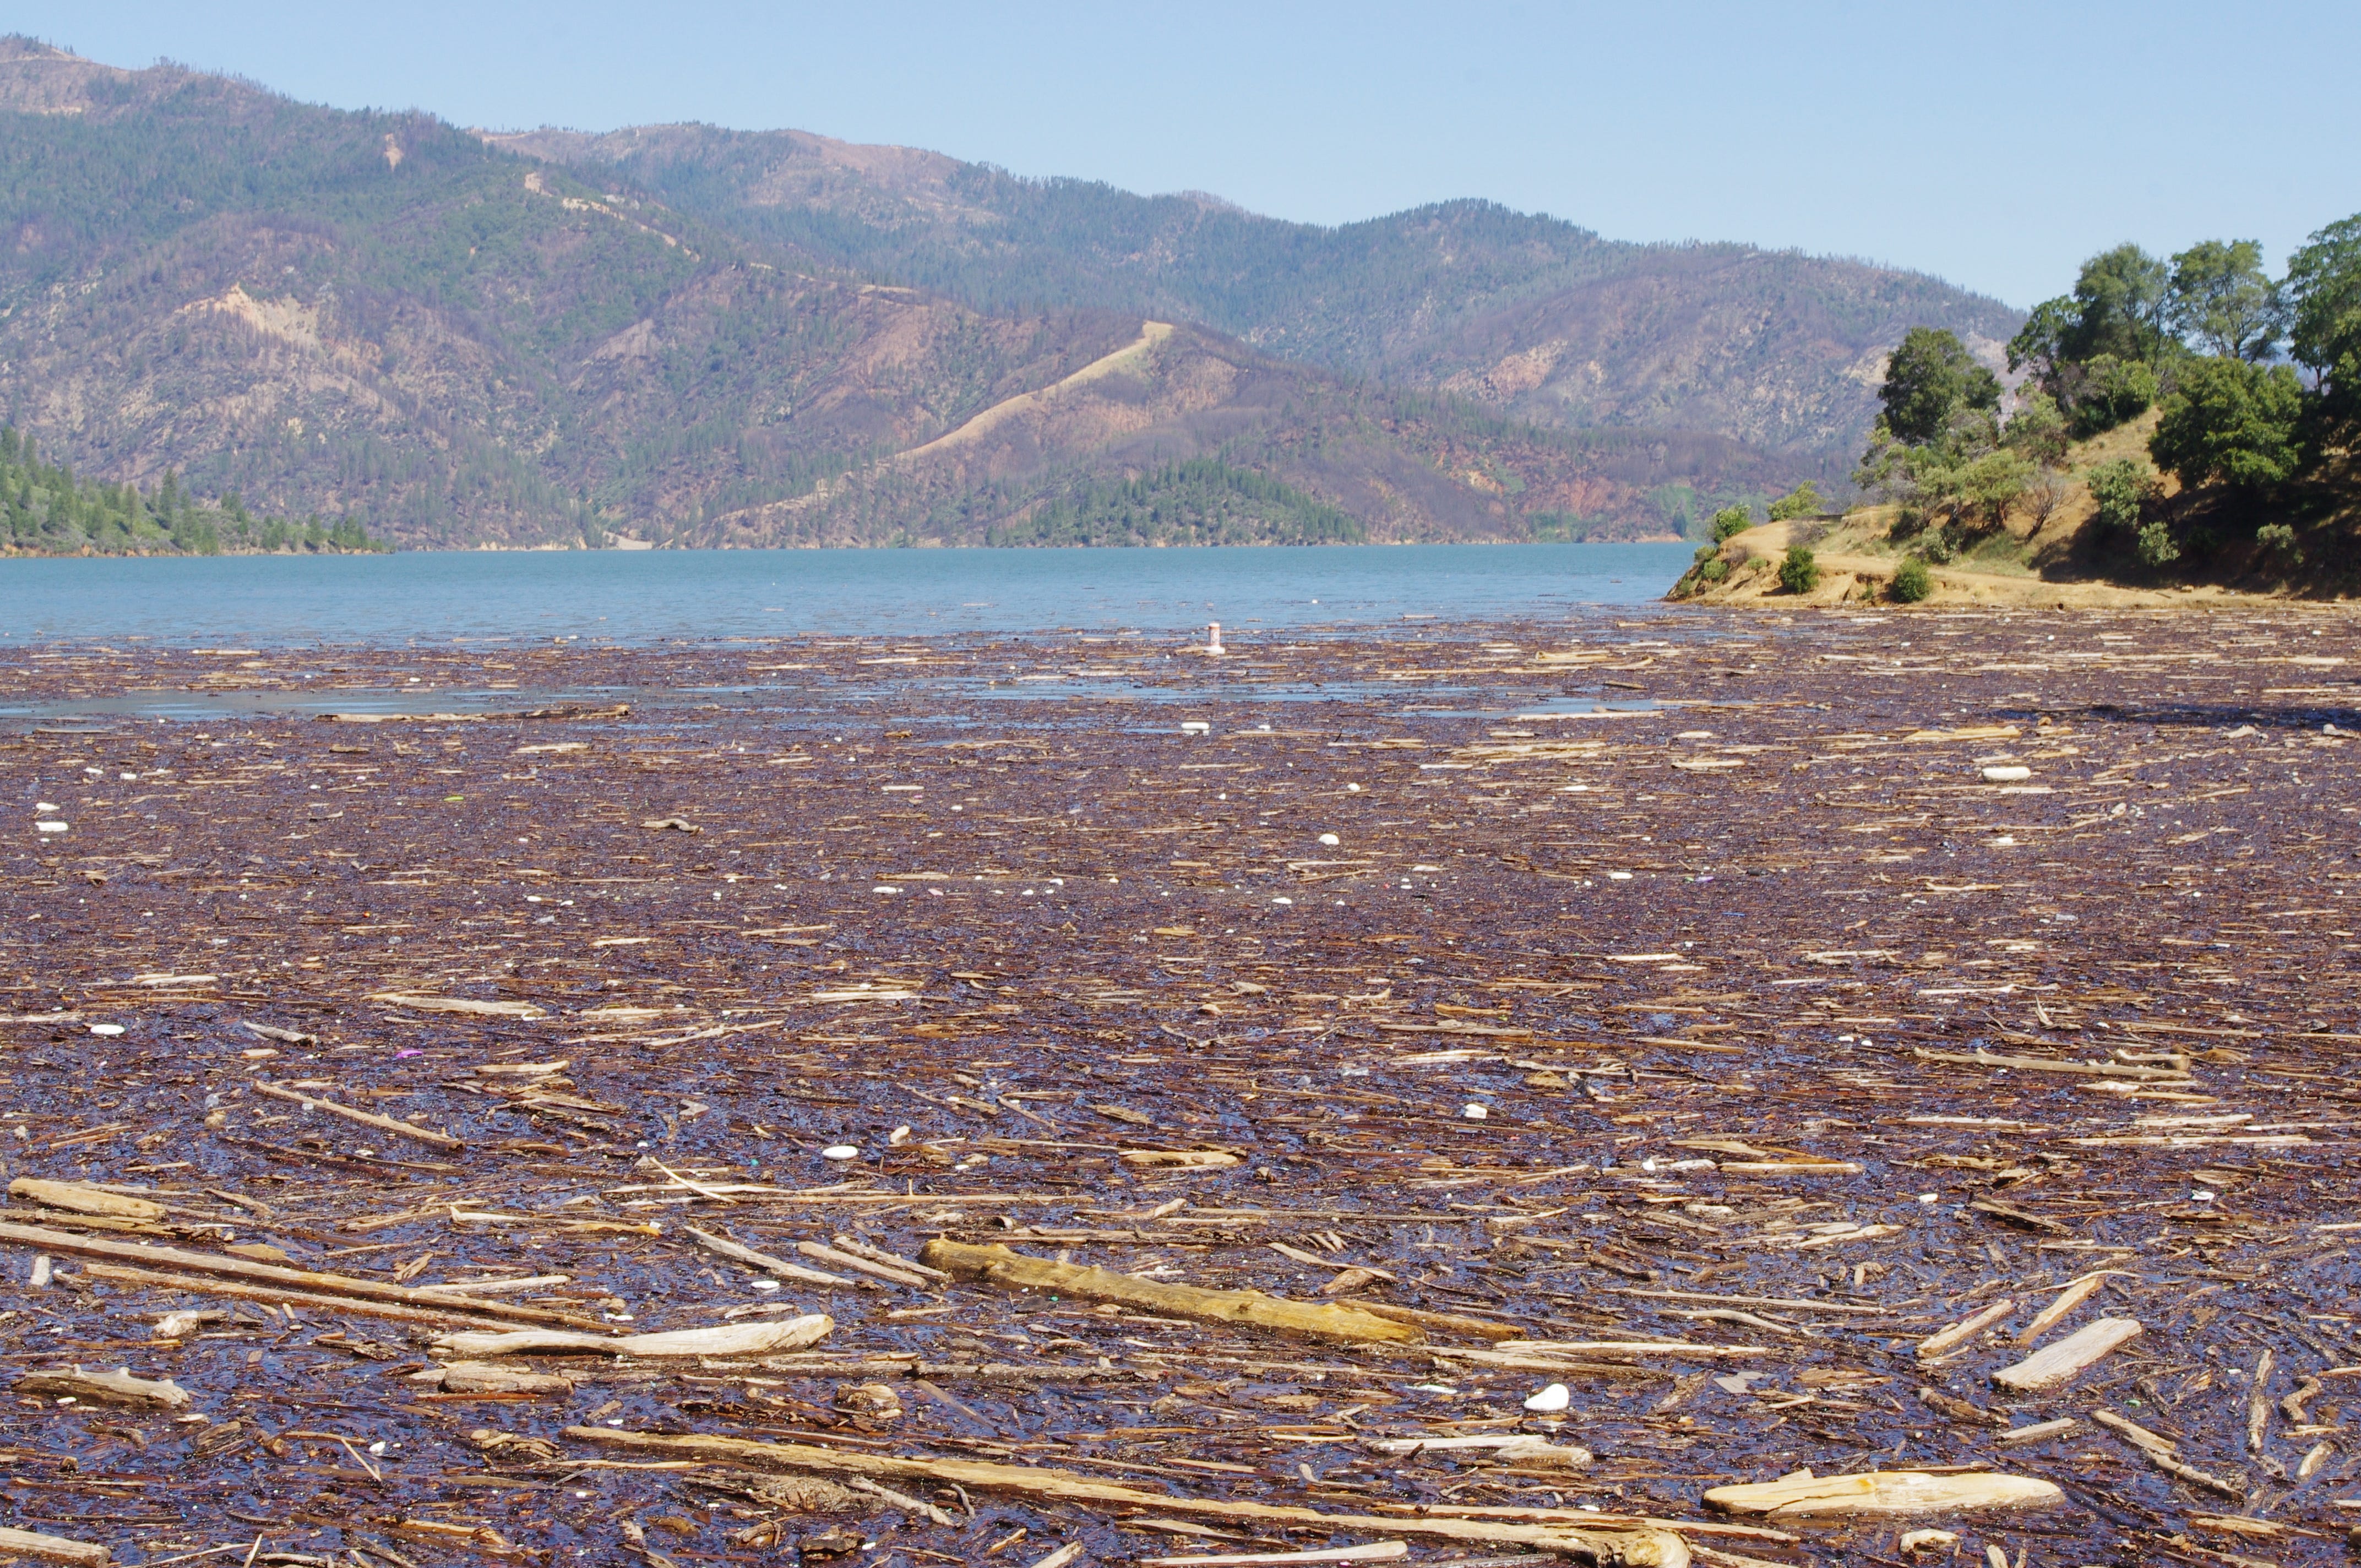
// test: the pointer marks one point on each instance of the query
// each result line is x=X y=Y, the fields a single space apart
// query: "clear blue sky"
x=1993 y=144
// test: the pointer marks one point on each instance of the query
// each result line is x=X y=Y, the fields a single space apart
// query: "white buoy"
x=1214 y=637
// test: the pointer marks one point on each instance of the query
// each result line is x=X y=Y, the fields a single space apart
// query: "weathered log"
x=2073 y=1296
x=456 y=1313
x=366 y=1118
x=2043 y=1064
x=1883 y=1492
x=491 y=1377
x=52 y=1548
x=999 y=1266
x=887 y=1272
x=1517 y=1448
x=105 y=1388
x=731 y=1339
x=2055 y=1364
x=778 y=1266
x=82 y=1198
x=1441 y=1322
x=1966 y=1328
x=1633 y=1546
x=269 y=1274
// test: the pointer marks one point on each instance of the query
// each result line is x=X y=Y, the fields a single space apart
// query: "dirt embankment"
x=2049 y=552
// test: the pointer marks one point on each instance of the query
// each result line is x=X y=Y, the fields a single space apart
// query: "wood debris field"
x=1658 y=1087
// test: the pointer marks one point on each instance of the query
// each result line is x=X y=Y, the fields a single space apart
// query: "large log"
x=726 y=1339
x=105 y=1387
x=84 y=1198
x=999 y=1266
x=457 y=1312
x=1636 y=1546
x=1883 y=1492
x=172 y=1257
x=52 y=1548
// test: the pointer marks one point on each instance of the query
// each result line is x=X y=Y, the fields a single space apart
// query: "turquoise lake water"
x=655 y=595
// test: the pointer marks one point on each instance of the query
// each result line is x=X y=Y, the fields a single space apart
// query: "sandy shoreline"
x=1761 y=1026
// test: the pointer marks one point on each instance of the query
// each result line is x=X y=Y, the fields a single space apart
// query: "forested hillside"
x=1526 y=316
x=451 y=341
x=2185 y=420
x=46 y=510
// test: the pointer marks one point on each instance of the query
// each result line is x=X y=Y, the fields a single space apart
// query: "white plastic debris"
x=1330 y=839
x=50 y=826
x=2016 y=773
x=841 y=1151
x=106 y=1028
x=1550 y=1400
x=1473 y=1113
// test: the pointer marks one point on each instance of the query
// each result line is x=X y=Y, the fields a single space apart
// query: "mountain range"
x=685 y=334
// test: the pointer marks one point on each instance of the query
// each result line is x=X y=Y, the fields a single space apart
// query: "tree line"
x=46 y=510
x=2255 y=383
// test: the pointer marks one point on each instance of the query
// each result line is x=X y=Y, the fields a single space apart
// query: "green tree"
x=2229 y=421
x=2039 y=344
x=2037 y=430
x=1929 y=380
x=1804 y=500
x=2122 y=305
x=2323 y=300
x=1799 y=572
x=2104 y=391
x=2221 y=296
x=1991 y=483
x=1731 y=521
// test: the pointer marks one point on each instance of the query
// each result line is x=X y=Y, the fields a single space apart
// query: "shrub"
x=1911 y=582
x=1804 y=500
x=1799 y=572
x=1992 y=483
x=2156 y=544
x=2279 y=540
x=1714 y=571
x=1731 y=521
x=2119 y=488
x=2038 y=431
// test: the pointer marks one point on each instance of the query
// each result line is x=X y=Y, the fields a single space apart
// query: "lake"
x=642 y=597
